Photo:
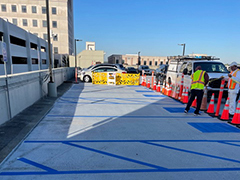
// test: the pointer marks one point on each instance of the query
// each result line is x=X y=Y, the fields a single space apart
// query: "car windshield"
x=90 y=67
x=212 y=67
x=145 y=67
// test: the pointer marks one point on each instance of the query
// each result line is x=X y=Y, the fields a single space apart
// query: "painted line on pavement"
x=37 y=165
x=191 y=152
x=115 y=156
x=140 y=117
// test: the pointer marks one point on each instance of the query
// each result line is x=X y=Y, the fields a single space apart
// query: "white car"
x=215 y=70
x=86 y=74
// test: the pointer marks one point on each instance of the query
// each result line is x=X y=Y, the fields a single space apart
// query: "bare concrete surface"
x=96 y=132
x=15 y=130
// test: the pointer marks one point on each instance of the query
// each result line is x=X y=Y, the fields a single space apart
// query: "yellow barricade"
x=121 y=79
x=99 y=78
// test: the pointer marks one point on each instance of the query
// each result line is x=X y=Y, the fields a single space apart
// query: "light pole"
x=139 y=60
x=52 y=90
x=183 y=47
x=76 y=59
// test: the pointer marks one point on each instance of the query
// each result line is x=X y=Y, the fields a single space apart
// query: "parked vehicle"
x=187 y=65
x=146 y=70
x=161 y=72
x=92 y=67
x=86 y=75
x=132 y=70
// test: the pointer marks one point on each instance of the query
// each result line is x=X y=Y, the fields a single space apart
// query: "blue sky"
x=156 y=27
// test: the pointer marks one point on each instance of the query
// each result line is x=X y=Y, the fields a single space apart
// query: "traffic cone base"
x=211 y=105
x=236 y=117
x=225 y=113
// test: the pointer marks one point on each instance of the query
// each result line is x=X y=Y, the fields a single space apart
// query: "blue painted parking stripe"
x=37 y=165
x=149 y=95
x=119 y=171
x=116 y=156
x=191 y=152
x=140 y=117
x=149 y=91
x=229 y=142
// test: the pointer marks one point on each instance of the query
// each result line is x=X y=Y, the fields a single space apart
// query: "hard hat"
x=233 y=64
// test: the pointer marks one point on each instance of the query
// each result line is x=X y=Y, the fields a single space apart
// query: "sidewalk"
x=15 y=130
x=124 y=132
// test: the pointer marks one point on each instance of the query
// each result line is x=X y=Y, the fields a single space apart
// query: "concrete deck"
x=124 y=132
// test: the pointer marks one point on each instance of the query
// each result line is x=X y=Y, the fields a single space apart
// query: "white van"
x=187 y=65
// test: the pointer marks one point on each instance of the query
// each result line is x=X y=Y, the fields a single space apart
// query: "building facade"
x=24 y=51
x=89 y=56
x=132 y=60
x=31 y=15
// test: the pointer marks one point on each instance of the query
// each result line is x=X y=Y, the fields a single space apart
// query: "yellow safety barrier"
x=99 y=78
x=121 y=79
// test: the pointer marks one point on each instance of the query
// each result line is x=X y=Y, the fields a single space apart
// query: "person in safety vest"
x=233 y=87
x=199 y=79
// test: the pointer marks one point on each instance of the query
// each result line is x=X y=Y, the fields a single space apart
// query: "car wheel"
x=87 y=79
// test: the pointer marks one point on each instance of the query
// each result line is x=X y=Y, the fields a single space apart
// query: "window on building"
x=55 y=50
x=34 y=61
x=25 y=23
x=44 y=10
x=14 y=8
x=54 y=10
x=45 y=37
x=35 y=24
x=1 y=59
x=150 y=63
x=19 y=60
x=44 y=23
x=4 y=7
x=44 y=61
x=17 y=41
x=24 y=9
x=55 y=38
x=117 y=61
x=155 y=63
x=54 y=24
x=15 y=22
x=34 y=9
x=145 y=63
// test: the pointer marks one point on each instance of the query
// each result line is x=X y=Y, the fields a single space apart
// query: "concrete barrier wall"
x=26 y=88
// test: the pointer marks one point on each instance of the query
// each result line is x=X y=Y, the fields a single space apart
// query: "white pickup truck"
x=187 y=65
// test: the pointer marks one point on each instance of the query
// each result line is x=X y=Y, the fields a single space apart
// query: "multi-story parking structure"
x=25 y=51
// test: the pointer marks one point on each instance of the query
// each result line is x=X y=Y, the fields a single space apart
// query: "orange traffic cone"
x=185 y=98
x=183 y=94
x=143 y=81
x=158 y=87
x=148 y=84
x=236 y=117
x=170 y=90
x=225 y=113
x=204 y=101
x=177 y=93
x=173 y=91
x=163 y=89
x=194 y=104
x=154 y=86
x=211 y=105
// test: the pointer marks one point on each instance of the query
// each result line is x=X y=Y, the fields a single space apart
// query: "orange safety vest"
x=232 y=83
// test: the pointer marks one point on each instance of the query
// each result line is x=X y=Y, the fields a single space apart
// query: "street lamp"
x=76 y=59
x=183 y=47
x=52 y=90
x=139 y=59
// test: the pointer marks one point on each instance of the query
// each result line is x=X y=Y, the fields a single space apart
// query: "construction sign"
x=118 y=78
